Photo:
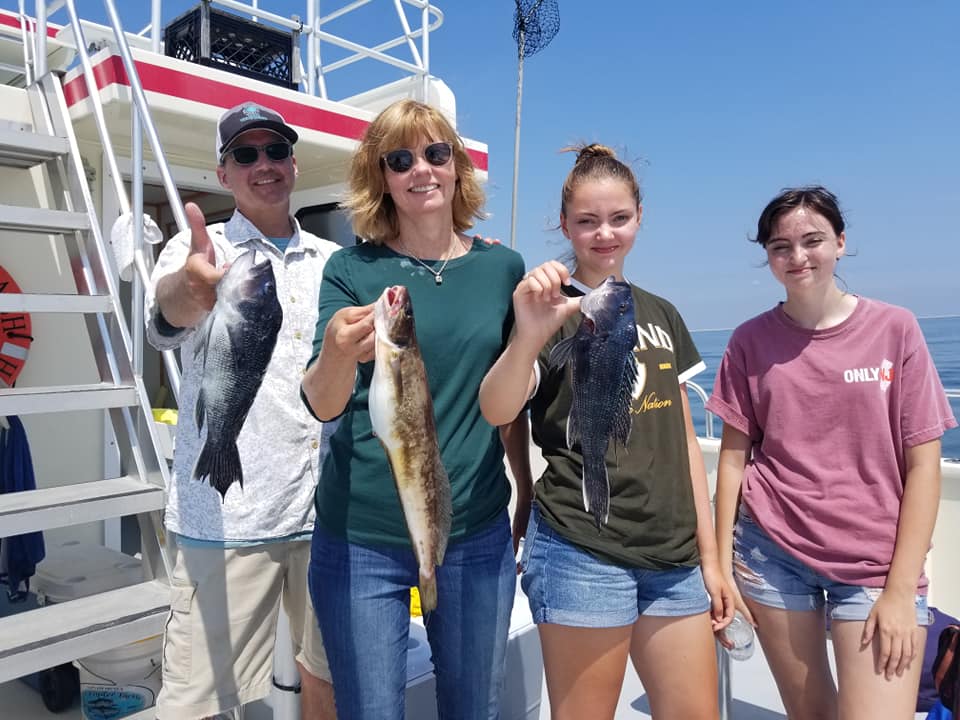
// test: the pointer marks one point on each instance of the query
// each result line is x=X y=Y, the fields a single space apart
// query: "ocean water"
x=943 y=338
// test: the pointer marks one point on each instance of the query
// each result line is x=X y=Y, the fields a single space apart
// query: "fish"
x=237 y=341
x=401 y=412
x=604 y=372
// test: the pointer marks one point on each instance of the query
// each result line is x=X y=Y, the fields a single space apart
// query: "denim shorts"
x=768 y=574
x=568 y=586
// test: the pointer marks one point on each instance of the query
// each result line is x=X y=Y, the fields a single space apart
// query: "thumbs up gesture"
x=187 y=295
x=200 y=269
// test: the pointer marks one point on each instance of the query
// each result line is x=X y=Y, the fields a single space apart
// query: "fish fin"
x=561 y=353
x=221 y=465
x=428 y=591
x=573 y=429
x=622 y=419
x=201 y=409
x=596 y=491
x=204 y=334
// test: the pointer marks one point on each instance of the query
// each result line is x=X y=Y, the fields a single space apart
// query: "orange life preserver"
x=15 y=335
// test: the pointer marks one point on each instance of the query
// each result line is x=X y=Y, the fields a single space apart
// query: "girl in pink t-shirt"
x=833 y=414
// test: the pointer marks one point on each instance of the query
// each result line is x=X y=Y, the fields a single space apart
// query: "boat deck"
x=754 y=698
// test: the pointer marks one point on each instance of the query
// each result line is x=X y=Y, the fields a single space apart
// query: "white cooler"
x=524 y=676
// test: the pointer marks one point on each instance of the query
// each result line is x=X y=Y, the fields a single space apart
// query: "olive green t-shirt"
x=461 y=326
x=652 y=521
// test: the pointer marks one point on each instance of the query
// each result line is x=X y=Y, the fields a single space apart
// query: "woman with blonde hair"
x=413 y=194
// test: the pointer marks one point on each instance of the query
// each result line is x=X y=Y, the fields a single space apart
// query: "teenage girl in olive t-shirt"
x=647 y=585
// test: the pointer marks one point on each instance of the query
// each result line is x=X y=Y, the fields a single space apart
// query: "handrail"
x=702 y=394
x=420 y=67
x=144 y=119
x=141 y=111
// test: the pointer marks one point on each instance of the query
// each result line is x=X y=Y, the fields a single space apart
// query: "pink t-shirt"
x=830 y=413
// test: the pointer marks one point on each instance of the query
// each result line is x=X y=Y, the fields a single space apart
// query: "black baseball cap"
x=250 y=116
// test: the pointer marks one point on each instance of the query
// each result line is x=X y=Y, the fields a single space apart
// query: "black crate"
x=235 y=44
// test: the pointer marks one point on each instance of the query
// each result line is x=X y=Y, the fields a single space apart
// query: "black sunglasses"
x=248 y=154
x=400 y=161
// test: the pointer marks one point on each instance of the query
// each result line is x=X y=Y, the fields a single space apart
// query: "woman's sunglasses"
x=400 y=161
x=248 y=154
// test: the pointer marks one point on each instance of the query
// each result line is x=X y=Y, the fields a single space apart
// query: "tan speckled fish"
x=401 y=412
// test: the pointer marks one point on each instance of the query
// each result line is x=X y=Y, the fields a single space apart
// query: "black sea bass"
x=238 y=339
x=401 y=412
x=604 y=371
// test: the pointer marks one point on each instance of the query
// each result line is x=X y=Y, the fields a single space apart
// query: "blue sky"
x=716 y=107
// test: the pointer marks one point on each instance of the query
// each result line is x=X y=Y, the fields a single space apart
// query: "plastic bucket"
x=122 y=681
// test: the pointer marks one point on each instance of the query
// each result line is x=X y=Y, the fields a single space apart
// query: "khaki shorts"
x=218 y=644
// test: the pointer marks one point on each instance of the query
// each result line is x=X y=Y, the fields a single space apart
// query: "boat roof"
x=186 y=99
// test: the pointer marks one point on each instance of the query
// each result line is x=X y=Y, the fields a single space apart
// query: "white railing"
x=315 y=31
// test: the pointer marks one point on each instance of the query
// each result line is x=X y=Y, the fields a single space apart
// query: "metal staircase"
x=60 y=633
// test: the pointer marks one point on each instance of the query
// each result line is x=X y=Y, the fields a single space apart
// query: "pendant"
x=438 y=279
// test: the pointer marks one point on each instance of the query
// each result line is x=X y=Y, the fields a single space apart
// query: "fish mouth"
x=393 y=317
x=397 y=298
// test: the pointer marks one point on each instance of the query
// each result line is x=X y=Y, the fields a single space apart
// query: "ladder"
x=59 y=633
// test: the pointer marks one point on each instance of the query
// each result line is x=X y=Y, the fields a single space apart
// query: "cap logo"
x=252 y=112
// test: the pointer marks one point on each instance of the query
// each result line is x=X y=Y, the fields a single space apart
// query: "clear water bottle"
x=739 y=633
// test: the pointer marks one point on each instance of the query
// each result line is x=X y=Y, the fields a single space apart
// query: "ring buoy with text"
x=15 y=335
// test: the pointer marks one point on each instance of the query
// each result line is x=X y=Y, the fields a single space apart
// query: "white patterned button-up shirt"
x=280 y=442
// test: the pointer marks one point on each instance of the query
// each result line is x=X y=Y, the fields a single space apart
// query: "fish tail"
x=221 y=465
x=596 y=489
x=428 y=591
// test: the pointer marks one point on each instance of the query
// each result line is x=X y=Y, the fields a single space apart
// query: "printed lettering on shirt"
x=651 y=336
x=655 y=336
x=882 y=374
x=649 y=402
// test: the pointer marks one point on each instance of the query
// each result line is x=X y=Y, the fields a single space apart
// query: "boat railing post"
x=724 y=688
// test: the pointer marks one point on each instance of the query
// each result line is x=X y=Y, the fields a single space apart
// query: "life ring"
x=15 y=335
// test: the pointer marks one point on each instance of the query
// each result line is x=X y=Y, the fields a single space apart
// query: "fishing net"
x=535 y=22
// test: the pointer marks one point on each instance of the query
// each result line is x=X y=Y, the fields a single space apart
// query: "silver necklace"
x=437 y=274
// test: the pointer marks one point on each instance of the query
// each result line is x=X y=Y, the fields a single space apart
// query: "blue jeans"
x=361 y=595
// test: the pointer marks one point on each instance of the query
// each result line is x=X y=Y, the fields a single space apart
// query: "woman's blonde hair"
x=404 y=124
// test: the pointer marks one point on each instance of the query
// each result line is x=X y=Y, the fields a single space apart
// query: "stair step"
x=25 y=148
x=78 y=503
x=63 y=632
x=63 y=398
x=41 y=220
x=54 y=303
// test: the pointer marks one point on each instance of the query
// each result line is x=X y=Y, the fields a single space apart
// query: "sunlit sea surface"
x=943 y=339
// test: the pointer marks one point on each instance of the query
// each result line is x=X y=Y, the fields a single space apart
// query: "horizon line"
x=919 y=317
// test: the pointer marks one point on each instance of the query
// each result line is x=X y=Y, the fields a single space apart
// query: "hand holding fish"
x=539 y=304
x=348 y=339
x=350 y=331
x=540 y=309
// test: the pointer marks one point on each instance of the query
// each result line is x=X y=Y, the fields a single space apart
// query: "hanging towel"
x=21 y=553
x=121 y=240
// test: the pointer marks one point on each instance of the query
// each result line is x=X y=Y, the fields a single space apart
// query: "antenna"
x=535 y=23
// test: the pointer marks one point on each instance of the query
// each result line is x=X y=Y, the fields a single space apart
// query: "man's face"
x=263 y=183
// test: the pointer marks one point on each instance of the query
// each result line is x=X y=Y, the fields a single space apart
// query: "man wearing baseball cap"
x=239 y=554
